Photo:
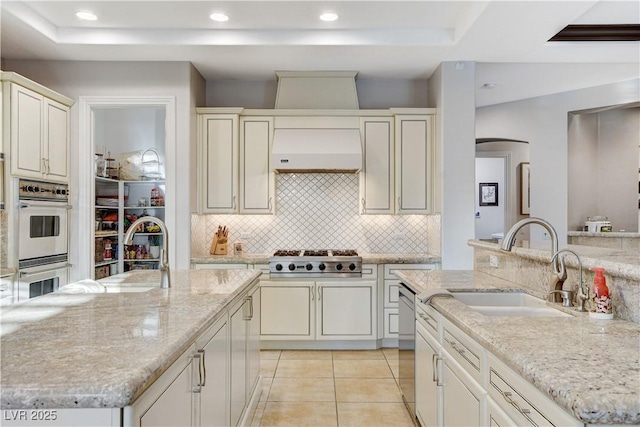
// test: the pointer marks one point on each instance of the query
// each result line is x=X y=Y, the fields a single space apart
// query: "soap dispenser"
x=601 y=298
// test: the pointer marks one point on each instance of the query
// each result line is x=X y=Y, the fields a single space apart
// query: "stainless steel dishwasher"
x=406 y=348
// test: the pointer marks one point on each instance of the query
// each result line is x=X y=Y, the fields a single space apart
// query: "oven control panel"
x=39 y=190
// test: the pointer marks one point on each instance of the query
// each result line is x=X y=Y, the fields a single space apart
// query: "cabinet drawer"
x=521 y=401
x=389 y=269
x=391 y=323
x=391 y=293
x=369 y=271
x=464 y=350
x=429 y=319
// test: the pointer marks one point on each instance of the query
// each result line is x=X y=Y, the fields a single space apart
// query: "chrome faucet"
x=559 y=271
x=582 y=296
x=165 y=273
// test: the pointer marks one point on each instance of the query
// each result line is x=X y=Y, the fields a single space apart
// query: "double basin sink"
x=507 y=304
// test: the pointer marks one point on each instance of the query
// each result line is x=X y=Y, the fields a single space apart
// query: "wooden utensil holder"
x=219 y=245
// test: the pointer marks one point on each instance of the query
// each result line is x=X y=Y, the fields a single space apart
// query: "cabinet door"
x=427 y=389
x=286 y=310
x=219 y=163
x=413 y=164
x=257 y=180
x=497 y=417
x=462 y=397
x=347 y=310
x=253 y=341
x=376 y=177
x=56 y=142
x=27 y=128
x=174 y=406
x=214 y=399
x=238 y=360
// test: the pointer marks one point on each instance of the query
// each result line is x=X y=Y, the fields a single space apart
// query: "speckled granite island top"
x=103 y=350
x=589 y=367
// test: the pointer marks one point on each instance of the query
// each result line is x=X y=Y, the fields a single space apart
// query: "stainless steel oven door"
x=42 y=229
x=34 y=282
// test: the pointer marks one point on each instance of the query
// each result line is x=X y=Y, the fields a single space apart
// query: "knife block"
x=219 y=245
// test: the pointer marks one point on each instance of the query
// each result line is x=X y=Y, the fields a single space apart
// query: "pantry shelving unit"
x=118 y=203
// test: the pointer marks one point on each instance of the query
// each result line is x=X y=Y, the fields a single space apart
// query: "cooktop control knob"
x=309 y=266
x=352 y=267
x=339 y=267
x=279 y=267
x=322 y=266
x=292 y=267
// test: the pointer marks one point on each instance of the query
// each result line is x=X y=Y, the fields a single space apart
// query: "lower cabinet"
x=459 y=383
x=172 y=406
x=327 y=310
x=215 y=382
x=428 y=387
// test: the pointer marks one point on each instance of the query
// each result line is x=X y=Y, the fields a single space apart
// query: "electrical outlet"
x=245 y=235
x=494 y=261
x=399 y=236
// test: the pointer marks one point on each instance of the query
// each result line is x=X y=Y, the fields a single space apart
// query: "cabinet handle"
x=454 y=345
x=399 y=205
x=44 y=165
x=524 y=411
x=271 y=204
x=198 y=387
x=364 y=205
x=438 y=359
x=434 y=363
x=319 y=294
x=250 y=307
x=234 y=203
x=247 y=303
x=203 y=372
x=313 y=294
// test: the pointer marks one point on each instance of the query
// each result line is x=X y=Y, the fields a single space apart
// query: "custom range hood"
x=317 y=143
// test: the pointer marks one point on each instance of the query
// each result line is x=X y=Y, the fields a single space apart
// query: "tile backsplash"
x=320 y=210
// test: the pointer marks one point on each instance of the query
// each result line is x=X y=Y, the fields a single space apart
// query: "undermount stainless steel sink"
x=507 y=304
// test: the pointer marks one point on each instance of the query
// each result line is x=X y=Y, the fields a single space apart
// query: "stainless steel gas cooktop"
x=315 y=263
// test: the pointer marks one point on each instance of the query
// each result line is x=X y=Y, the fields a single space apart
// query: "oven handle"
x=44 y=205
x=44 y=269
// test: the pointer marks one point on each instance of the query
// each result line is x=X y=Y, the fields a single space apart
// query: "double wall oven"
x=43 y=237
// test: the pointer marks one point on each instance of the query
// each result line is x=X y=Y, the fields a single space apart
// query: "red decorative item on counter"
x=601 y=297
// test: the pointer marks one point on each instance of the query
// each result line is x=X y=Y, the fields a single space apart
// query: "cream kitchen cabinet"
x=318 y=311
x=37 y=129
x=475 y=388
x=377 y=174
x=390 y=297
x=414 y=163
x=218 y=163
x=257 y=179
x=212 y=399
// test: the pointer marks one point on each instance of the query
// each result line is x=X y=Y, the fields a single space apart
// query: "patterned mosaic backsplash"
x=320 y=210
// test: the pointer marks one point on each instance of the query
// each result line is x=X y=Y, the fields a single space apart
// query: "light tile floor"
x=330 y=388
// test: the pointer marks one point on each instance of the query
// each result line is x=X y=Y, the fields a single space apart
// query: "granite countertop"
x=367 y=258
x=103 y=350
x=589 y=367
x=617 y=262
x=627 y=234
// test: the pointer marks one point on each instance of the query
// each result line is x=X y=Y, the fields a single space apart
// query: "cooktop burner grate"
x=344 y=252
x=316 y=252
x=287 y=252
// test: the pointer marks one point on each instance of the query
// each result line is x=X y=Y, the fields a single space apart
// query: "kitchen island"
x=103 y=350
x=590 y=368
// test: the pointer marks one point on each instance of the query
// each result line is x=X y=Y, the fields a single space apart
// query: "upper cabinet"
x=414 y=160
x=235 y=173
x=37 y=131
x=257 y=180
x=377 y=174
x=218 y=163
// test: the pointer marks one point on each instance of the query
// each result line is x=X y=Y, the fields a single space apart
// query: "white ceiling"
x=380 y=39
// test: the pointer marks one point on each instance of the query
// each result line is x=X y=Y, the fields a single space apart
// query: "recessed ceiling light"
x=329 y=16
x=87 y=16
x=219 y=17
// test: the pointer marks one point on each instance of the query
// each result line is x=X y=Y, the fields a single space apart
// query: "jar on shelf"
x=155 y=192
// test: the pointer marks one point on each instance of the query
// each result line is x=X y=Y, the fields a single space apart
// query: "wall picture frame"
x=488 y=194
x=525 y=189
